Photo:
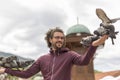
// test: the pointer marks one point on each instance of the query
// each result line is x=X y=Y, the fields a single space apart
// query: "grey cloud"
x=10 y=10
x=38 y=23
x=34 y=23
x=103 y=63
x=53 y=17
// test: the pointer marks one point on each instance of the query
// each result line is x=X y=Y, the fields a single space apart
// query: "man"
x=57 y=64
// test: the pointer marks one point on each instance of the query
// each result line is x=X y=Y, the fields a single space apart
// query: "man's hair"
x=50 y=34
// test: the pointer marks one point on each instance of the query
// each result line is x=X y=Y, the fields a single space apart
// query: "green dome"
x=78 y=28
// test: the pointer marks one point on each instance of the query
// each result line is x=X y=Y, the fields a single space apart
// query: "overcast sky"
x=23 y=24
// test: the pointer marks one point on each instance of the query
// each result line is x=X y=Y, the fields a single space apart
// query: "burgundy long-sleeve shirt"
x=56 y=65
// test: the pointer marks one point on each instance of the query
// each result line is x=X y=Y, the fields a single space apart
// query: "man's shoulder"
x=72 y=52
x=45 y=55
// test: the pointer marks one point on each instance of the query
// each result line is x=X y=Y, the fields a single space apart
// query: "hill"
x=4 y=54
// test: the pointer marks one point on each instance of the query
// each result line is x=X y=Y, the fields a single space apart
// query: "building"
x=73 y=37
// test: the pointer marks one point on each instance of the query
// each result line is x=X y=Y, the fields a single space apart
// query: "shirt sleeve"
x=84 y=59
x=35 y=68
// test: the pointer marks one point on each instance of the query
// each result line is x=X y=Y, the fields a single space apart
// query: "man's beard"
x=57 y=45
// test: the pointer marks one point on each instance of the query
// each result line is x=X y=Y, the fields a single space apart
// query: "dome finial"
x=77 y=20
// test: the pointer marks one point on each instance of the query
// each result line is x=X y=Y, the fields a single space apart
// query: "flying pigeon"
x=105 y=19
x=107 y=23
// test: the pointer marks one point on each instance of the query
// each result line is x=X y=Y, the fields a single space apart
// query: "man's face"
x=57 y=40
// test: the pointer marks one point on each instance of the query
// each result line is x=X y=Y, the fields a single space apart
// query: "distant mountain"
x=4 y=54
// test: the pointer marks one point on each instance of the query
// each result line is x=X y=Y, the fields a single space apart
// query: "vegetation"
x=96 y=71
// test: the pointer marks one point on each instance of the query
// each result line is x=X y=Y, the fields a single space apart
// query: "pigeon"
x=13 y=62
x=107 y=23
x=105 y=19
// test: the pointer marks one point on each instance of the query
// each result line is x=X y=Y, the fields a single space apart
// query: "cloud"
x=25 y=22
x=25 y=32
x=107 y=64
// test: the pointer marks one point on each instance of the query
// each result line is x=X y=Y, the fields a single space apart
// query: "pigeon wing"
x=115 y=20
x=102 y=15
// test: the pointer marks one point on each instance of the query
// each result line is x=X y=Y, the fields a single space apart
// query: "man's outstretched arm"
x=85 y=59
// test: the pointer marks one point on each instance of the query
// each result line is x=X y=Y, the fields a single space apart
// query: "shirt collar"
x=59 y=51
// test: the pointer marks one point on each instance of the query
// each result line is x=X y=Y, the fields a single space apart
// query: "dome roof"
x=78 y=28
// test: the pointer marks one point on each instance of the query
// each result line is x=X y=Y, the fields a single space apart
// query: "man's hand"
x=100 y=41
x=2 y=70
x=86 y=41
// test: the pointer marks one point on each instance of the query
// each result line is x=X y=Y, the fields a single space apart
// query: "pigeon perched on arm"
x=13 y=62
